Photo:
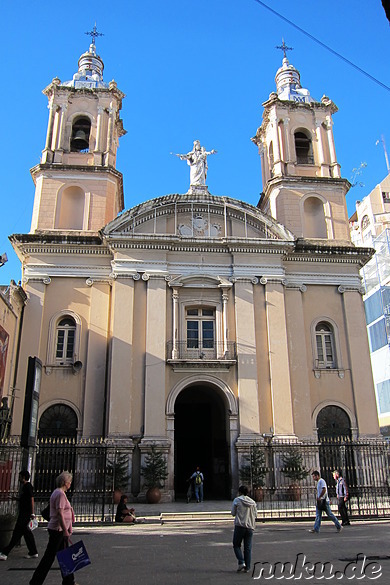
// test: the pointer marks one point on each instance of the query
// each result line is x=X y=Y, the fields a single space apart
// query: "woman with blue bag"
x=59 y=528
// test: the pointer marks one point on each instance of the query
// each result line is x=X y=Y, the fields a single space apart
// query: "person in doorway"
x=322 y=503
x=244 y=510
x=198 y=479
x=26 y=513
x=342 y=497
x=59 y=528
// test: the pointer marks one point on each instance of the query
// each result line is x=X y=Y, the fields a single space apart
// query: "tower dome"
x=288 y=84
x=90 y=72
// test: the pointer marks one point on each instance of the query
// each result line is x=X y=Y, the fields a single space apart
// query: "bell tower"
x=302 y=184
x=77 y=186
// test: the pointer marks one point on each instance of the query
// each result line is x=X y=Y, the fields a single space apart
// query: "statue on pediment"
x=197 y=160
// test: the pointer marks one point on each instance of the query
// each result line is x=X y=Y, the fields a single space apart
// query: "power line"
x=374 y=79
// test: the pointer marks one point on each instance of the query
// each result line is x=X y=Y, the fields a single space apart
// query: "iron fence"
x=286 y=489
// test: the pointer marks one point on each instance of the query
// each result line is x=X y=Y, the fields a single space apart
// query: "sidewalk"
x=194 y=553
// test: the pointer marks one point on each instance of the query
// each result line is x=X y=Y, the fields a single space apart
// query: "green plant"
x=155 y=470
x=293 y=467
x=254 y=470
x=117 y=471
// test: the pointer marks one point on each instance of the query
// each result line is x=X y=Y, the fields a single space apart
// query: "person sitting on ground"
x=125 y=514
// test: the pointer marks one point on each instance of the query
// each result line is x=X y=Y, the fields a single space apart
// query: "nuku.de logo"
x=304 y=569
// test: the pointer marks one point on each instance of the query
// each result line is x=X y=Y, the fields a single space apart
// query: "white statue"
x=197 y=160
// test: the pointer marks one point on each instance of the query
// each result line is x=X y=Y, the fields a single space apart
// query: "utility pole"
x=382 y=139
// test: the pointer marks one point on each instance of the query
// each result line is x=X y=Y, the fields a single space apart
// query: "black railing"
x=284 y=467
x=191 y=350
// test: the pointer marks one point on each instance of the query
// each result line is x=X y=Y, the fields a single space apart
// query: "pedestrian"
x=244 y=510
x=198 y=478
x=342 y=497
x=26 y=513
x=59 y=528
x=322 y=503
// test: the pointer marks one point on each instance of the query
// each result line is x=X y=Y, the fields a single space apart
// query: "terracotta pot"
x=294 y=492
x=258 y=494
x=153 y=495
x=117 y=496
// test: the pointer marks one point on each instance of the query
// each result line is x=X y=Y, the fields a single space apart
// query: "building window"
x=303 y=149
x=325 y=346
x=377 y=335
x=365 y=222
x=66 y=332
x=200 y=328
x=63 y=346
x=383 y=392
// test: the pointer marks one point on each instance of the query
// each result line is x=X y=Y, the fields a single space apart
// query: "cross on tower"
x=94 y=33
x=283 y=47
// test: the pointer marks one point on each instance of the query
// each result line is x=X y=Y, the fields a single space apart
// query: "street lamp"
x=3 y=259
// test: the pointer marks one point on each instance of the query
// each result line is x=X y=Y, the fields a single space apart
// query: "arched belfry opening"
x=202 y=439
x=81 y=130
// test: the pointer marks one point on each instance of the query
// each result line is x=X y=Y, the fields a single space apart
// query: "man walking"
x=322 y=504
x=198 y=478
x=342 y=497
x=26 y=512
x=244 y=510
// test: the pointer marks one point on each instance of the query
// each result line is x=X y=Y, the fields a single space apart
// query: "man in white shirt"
x=244 y=510
x=322 y=504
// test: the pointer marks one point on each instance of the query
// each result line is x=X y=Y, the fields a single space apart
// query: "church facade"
x=195 y=323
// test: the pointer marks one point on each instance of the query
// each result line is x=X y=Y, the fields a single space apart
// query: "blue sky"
x=198 y=70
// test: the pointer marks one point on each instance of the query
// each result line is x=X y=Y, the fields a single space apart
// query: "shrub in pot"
x=294 y=469
x=155 y=473
x=254 y=470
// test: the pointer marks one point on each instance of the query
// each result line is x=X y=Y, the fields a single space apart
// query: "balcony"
x=220 y=356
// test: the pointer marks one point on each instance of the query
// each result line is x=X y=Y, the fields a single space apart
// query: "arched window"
x=65 y=341
x=58 y=421
x=365 y=222
x=325 y=346
x=303 y=148
x=70 y=209
x=63 y=347
x=81 y=129
x=315 y=224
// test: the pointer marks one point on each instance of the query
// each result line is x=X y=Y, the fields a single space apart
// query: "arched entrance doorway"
x=336 y=450
x=57 y=434
x=201 y=438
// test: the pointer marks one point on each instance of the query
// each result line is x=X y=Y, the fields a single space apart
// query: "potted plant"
x=254 y=470
x=294 y=469
x=154 y=473
x=117 y=473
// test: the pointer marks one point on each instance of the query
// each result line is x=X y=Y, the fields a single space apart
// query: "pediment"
x=196 y=217
x=200 y=281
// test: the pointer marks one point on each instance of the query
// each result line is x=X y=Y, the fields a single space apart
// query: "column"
x=64 y=108
x=155 y=425
x=278 y=358
x=98 y=146
x=225 y=299
x=332 y=151
x=96 y=361
x=276 y=145
x=299 y=374
x=47 y=154
x=320 y=149
x=175 y=323
x=110 y=133
x=360 y=363
x=120 y=387
x=249 y=422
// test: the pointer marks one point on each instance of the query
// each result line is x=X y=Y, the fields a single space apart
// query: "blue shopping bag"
x=73 y=558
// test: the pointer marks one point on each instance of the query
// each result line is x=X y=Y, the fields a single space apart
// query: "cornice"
x=305 y=182
x=92 y=169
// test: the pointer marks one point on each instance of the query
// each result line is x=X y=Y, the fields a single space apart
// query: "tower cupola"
x=288 y=84
x=90 y=73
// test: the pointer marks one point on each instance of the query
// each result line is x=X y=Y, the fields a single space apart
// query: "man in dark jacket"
x=244 y=510
x=342 y=497
x=26 y=513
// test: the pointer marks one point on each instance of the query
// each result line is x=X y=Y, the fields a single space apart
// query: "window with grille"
x=65 y=340
x=200 y=328
x=325 y=346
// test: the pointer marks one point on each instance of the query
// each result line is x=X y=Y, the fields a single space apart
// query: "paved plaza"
x=196 y=552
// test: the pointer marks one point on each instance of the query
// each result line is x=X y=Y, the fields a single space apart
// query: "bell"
x=80 y=140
